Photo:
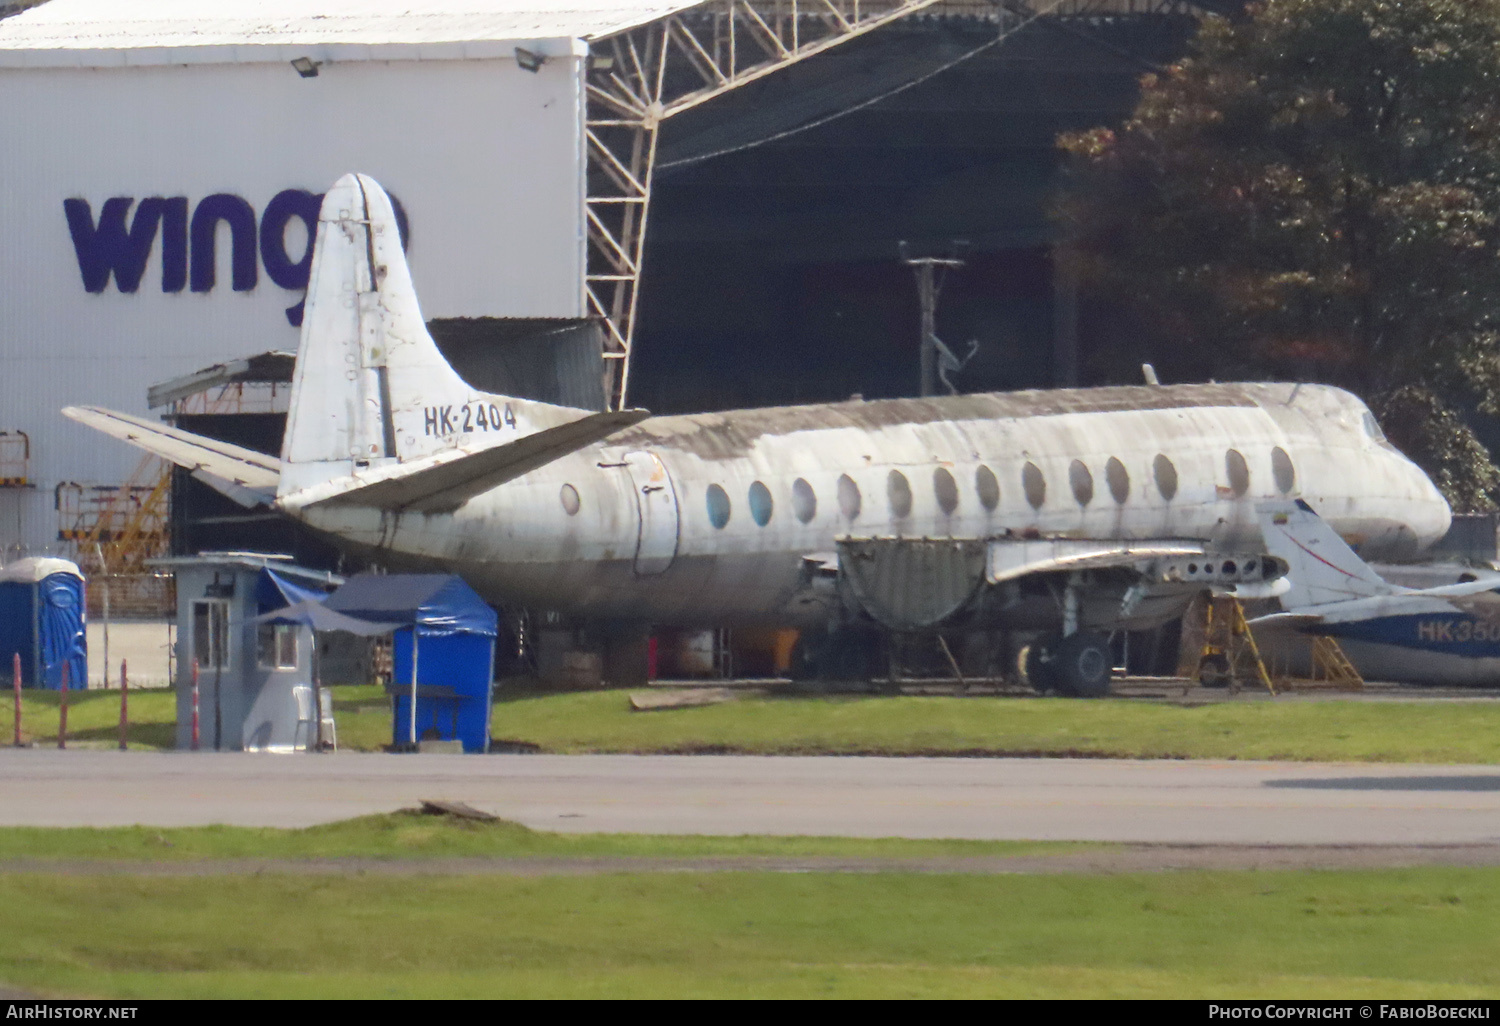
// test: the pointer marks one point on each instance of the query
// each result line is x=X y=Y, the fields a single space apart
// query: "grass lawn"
x=601 y=721
x=406 y=835
x=1414 y=933
x=93 y=717
x=1439 y=732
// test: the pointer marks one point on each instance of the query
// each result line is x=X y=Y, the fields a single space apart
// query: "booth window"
x=276 y=646
x=211 y=634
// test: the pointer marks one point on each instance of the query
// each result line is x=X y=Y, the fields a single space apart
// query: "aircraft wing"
x=246 y=476
x=446 y=480
x=1013 y=558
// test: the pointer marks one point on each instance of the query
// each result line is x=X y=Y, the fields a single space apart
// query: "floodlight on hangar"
x=305 y=66
x=528 y=60
x=639 y=77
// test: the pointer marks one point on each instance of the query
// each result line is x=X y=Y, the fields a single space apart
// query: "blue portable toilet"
x=42 y=617
x=448 y=633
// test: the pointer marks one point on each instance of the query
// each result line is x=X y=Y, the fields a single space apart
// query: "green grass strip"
x=1414 y=933
x=601 y=721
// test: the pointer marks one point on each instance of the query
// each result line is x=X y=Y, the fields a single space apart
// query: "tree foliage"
x=1313 y=193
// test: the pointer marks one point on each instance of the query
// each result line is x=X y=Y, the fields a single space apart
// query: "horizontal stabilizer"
x=1287 y=621
x=246 y=476
x=445 y=481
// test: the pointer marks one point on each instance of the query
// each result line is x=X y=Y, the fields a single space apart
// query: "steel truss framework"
x=641 y=77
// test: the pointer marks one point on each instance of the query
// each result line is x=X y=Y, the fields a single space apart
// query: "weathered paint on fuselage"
x=519 y=545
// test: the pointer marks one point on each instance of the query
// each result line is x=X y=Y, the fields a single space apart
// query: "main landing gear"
x=1078 y=665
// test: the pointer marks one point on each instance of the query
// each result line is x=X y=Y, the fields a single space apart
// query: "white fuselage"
x=647 y=539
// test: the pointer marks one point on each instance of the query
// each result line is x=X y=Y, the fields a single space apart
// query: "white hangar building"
x=161 y=163
x=161 y=160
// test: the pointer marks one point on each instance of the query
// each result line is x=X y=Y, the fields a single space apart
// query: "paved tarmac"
x=1174 y=802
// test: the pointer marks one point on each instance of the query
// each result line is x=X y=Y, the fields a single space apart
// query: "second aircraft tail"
x=1322 y=568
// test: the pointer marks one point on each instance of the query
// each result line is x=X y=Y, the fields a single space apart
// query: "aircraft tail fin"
x=371 y=389
x=1322 y=568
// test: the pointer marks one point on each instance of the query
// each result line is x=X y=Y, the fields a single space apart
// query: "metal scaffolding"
x=639 y=78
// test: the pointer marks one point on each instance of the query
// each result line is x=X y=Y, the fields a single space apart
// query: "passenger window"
x=1119 y=480
x=898 y=491
x=570 y=501
x=718 y=506
x=1082 y=480
x=1239 y=473
x=1282 y=471
x=988 y=487
x=1034 y=485
x=804 y=500
x=946 y=490
x=849 y=499
x=760 y=503
x=1166 y=476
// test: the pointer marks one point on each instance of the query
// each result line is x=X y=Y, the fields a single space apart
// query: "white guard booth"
x=256 y=691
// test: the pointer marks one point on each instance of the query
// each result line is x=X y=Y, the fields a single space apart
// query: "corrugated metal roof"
x=171 y=24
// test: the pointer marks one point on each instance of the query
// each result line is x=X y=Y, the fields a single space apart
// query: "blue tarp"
x=42 y=618
x=314 y=614
x=437 y=604
x=454 y=632
x=275 y=591
x=453 y=688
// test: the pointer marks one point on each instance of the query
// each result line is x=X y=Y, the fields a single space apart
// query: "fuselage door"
x=657 y=502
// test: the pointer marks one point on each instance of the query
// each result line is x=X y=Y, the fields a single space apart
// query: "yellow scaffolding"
x=115 y=529
x=1230 y=655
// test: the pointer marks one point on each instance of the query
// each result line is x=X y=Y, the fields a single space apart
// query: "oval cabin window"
x=1282 y=471
x=1082 y=480
x=898 y=491
x=718 y=506
x=987 y=486
x=1119 y=480
x=804 y=500
x=849 y=499
x=570 y=502
x=1238 y=471
x=760 y=503
x=1034 y=485
x=1165 y=473
x=945 y=489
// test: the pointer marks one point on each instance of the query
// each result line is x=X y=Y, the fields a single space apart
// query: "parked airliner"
x=1070 y=513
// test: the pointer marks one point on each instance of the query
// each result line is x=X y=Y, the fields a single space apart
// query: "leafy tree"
x=1313 y=192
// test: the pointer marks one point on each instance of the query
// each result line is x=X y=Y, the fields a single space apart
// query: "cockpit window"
x=1372 y=427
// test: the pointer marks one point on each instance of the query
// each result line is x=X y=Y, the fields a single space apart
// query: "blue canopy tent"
x=443 y=654
x=42 y=618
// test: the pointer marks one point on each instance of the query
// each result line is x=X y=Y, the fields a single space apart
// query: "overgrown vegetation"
x=1313 y=194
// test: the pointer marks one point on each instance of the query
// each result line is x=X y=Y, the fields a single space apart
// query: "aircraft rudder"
x=1322 y=567
x=371 y=386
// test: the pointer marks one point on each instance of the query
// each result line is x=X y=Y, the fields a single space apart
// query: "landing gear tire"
x=1213 y=671
x=1081 y=665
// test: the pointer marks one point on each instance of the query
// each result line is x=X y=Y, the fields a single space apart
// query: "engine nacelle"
x=1218 y=569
